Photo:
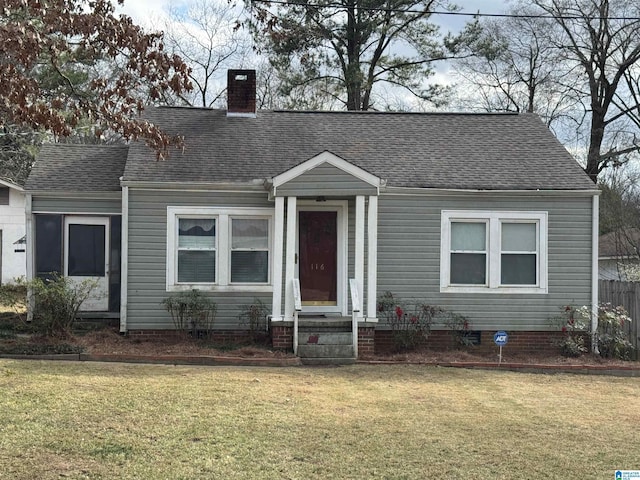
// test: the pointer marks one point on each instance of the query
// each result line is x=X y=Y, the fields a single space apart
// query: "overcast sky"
x=144 y=12
x=454 y=22
x=150 y=14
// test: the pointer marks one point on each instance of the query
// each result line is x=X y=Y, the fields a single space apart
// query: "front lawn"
x=92 y=420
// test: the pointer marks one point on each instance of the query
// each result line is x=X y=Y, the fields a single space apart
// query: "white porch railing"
x=297 y=308
x=356 y=308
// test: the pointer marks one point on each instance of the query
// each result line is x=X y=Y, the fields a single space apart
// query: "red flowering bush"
x=574 y=331
x=410 y=322
x=459 y=329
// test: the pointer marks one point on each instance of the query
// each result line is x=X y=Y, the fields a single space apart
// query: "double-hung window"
x=469 y=252
x=249 y=250
x=197 y=246
x=495 y=252
x=219 y=249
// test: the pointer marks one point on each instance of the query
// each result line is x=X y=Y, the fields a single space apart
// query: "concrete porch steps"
x=325 y=341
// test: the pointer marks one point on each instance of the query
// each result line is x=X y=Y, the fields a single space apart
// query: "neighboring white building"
x=618 y=257
x=13 y=255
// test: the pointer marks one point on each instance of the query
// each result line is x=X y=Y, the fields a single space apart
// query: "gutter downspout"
x=31 y=252
x=124 y=260
x=595 y=219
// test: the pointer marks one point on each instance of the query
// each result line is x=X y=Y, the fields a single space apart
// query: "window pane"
x=197 y=233
x=468 y=268
x=518 y=237
x=4 y=195
x=196 y=266
x=468 y=236
x=86 y=250
x=249 y=267
x=250 y=233
x=48 y=244
x=518 y=269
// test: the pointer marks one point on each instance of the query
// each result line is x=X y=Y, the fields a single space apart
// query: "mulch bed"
x=109 y=345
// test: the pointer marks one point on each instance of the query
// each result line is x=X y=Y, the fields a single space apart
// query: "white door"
x=86 y=256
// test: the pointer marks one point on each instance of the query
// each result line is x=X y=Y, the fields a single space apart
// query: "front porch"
x=282 y=337
x=321 y=285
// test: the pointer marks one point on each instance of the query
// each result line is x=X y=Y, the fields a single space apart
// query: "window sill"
x=499 y=290
x=220 y=288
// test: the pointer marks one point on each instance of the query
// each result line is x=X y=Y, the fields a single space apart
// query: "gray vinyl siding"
x=409 y=257
x=148 y=252
x=76 y=205
x=326 y=180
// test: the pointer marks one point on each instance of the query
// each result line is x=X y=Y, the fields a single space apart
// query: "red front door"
x=318 y=247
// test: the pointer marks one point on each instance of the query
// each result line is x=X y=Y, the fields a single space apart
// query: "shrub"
x=574 y=328
x=410 y=322
x=254 y=317
x=192 y=311
x=459 y=329
x=611 y=336
x=613 y=341
x=56 y=302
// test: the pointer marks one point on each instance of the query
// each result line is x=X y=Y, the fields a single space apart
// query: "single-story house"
x=12 y=232
x=313 y=213
x=619 y=254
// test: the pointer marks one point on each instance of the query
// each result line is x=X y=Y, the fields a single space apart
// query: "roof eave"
x=254 y=185
x=11 y=185
x=69 y=194
x=475 y=191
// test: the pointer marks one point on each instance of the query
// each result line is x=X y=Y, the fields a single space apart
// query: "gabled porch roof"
x=325 y=174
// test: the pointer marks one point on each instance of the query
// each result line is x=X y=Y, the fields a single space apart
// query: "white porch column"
x=372 y=258
x=278 y=250
x=30 y=265
x=290 y=259
x=359 y=249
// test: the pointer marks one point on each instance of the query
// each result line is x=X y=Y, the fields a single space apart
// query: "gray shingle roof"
x=78 y=168
x=431 y=150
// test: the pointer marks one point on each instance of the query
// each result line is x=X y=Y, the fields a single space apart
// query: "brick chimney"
x=241 y=93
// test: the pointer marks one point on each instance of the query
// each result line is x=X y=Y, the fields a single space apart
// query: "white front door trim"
x=98 y=300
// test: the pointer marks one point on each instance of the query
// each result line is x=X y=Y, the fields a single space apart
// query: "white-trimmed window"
x=249 y=250
x=219 y=249
x=496 y=252
x=197 y=247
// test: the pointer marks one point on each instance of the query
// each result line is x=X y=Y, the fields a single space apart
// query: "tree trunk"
x=595 y=144
x=352 y=77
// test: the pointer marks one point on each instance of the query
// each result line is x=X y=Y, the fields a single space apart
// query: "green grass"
x=91 y=420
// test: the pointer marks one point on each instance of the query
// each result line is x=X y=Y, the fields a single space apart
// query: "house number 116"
x=317 y=266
